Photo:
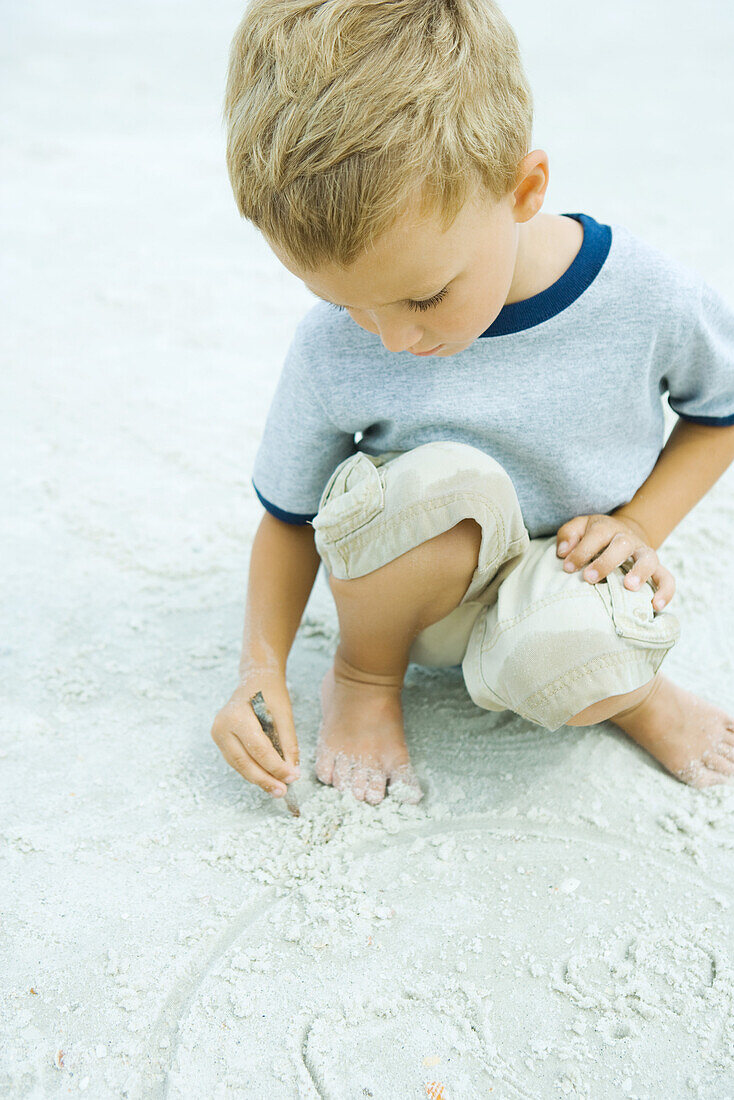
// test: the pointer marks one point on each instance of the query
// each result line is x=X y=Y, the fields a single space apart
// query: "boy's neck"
x=548 y=245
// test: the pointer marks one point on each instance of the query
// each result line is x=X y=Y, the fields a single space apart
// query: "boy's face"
x=474 y=268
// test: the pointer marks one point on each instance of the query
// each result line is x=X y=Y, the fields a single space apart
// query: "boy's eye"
x=427 y=303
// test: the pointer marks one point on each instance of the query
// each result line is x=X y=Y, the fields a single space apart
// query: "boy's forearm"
x=693 y=459
x=283 y=567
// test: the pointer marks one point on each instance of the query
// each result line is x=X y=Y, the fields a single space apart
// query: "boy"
x=500 y=505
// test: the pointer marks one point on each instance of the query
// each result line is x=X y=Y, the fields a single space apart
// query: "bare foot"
x=693 y=739
x=361 y=745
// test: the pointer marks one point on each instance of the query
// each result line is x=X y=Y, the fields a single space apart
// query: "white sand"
x=554 y=919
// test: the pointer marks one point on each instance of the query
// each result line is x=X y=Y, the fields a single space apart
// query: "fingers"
x=247 y=728
x=247 y=748
x=599 y=553
x=665 y=583
x=647 y=567
x=570 y=534
x=233 y=752
x=598 y=536
x=280 y=708
x=260 y=748
x=618 y=551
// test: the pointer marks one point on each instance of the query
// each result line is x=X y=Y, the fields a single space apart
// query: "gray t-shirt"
x=564 y=389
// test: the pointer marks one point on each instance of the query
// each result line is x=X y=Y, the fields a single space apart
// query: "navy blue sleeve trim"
x=717 y=421
x=286 y=517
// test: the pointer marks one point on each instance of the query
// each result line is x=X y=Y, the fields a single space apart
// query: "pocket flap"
x=634 y=616
x=354 y=495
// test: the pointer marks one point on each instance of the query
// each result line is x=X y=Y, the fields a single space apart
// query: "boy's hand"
x=582 y=540
x=241 y=739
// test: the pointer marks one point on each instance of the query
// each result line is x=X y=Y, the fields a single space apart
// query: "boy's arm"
x=283 y=567
x=693 y=459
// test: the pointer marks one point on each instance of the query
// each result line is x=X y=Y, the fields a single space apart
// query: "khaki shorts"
x=530 y=637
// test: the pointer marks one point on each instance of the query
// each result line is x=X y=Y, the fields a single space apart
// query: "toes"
x=375 y=791
x=358 y=781
x=404 y=785
x=324 y=763
x=343 y=766
x=698 y=775
x=368 y=783
x=692 y=773
x=713 y=779
x=347 y=773
x=723 y=764
x=717 y=761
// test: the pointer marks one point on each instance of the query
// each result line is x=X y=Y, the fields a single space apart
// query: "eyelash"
x=427 y=303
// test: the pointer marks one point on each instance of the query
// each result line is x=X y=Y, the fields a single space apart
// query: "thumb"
x=569 y=534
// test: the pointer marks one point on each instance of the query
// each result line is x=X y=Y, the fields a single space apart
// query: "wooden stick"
x=265 y=718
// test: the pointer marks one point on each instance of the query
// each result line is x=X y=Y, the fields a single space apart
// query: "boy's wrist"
x=627 y=517
x=260 y=660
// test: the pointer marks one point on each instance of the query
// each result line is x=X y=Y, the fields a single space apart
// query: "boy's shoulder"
x=646 y=269
x=327 y=341
x=323 y=321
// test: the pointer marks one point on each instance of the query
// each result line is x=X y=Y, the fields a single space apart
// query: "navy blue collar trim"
x=541 y=307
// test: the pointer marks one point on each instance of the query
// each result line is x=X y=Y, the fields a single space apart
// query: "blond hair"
x=337 y=110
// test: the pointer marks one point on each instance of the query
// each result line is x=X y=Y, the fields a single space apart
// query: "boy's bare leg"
x=361 y=745
x=693 y=739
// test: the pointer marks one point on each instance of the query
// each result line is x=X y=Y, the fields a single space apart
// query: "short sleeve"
x=700 y=382
x=300 y=446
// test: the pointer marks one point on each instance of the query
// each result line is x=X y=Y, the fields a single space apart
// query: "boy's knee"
x=375 y=510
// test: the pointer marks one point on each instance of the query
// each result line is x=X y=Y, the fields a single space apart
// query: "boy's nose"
x=400 y=337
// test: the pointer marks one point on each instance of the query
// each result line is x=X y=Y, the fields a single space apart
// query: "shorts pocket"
x=634 y=617
x=353 y=496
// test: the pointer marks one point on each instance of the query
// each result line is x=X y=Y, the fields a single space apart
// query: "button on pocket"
x=634 y=618
x=353 y=496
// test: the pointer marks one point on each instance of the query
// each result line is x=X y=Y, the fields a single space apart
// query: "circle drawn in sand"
x=525 y=982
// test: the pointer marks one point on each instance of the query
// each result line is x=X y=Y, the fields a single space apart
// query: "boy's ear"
x=529 y=194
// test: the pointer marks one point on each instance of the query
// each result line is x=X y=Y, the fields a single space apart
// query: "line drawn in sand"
x=365 y=1036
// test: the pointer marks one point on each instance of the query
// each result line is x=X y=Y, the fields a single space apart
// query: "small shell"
x=435 y=1091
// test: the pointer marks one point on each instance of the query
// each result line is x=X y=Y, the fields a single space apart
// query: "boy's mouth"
x=429 y=352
